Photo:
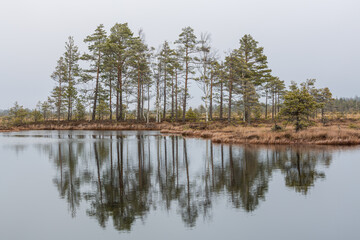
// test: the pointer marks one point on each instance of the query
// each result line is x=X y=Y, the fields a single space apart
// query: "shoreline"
x=216 y=132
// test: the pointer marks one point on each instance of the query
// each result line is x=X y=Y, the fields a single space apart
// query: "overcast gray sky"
x=302 y=38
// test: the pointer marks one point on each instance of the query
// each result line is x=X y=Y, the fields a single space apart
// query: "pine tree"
x=139 y=61
x=204 y=61
x=157 y=70
x=176 y=69
x=17 y=114
x=46 y=109
x=71 y=58
x=191 y=115
x=221 y=73
x=165 y=57
x=95 y=43
x=275 y=88
x=187 y=42
x=253 y=72
x=79 y=110
x=231 y=74
x=36 y=113
x=102 y=110
x=109 y=76
x=324 y=98
x=214 y=80
x=58 y=93
x=298 y=105
x=119 y=44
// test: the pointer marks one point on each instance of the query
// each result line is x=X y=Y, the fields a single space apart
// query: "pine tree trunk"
x=230 y=96
x=142 y=100
x=186 y=82
x=70 y=85
x=69 y=105
x=206 y=96
x=59 y=101
x=138 y=96
x=96 y=87
x=211 y=97
x=148 y=108
x=245 y=102
x=164 y=112
x=176 y=96
x=221 y=100
x=158 y=98
x=273 y=106
x=110 y=90
x=117 y=101
x=266 y=105
x=120 y=116
x=172 y=98
x=278 y=102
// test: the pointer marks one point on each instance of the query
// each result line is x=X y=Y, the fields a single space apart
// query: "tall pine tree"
x=187 y=43
x=95 y=43
x=71 y=59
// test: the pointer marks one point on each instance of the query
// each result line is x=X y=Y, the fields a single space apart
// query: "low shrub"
x=276 y=128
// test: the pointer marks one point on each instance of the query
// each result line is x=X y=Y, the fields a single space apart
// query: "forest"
x=121 y=78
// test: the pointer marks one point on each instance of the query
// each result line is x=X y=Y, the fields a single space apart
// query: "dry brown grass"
x=319 y=135
x=3 y=126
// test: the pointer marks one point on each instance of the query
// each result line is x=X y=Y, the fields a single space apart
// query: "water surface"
x=141 y=184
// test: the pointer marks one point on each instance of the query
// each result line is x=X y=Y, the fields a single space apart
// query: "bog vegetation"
x=123 y=79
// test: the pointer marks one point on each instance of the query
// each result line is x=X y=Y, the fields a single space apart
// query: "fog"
x=302 y=38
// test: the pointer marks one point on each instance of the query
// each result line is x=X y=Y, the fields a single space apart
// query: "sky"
x=301 y=38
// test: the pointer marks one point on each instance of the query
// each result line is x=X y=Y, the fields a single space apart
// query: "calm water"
x=137 y=185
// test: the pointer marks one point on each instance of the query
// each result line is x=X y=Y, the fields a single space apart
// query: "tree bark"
x=172 y=97
x=176 y=96
x=110 y=97
x=120 y=116
x=211 y=96
x=117 y=101
x=266 y=105
x=59 y=102
x=96 y=87
x=138 y=96
x=164 y=113
x=230 y=96
x=148 y=108
x=186 y=82
x=221 y=100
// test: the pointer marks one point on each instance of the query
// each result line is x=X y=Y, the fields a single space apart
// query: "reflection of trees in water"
x=188 y=207
x=68 y=183
x=123 y=177
x=248 y=179
x=299 y=167
x=122 y=193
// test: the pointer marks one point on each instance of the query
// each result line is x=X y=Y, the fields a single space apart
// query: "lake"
x=145 y=185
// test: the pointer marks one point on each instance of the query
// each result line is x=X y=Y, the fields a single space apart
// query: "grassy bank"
x=261 y=135
x=340 y=133
x=86 y=125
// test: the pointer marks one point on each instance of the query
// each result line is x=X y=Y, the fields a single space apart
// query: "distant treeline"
x=346 y=105
x=122 y=78
x=4 y=113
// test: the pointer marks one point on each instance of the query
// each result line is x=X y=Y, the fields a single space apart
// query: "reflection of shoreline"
x=124 y=178
x=107 y=134
x=218 y=132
